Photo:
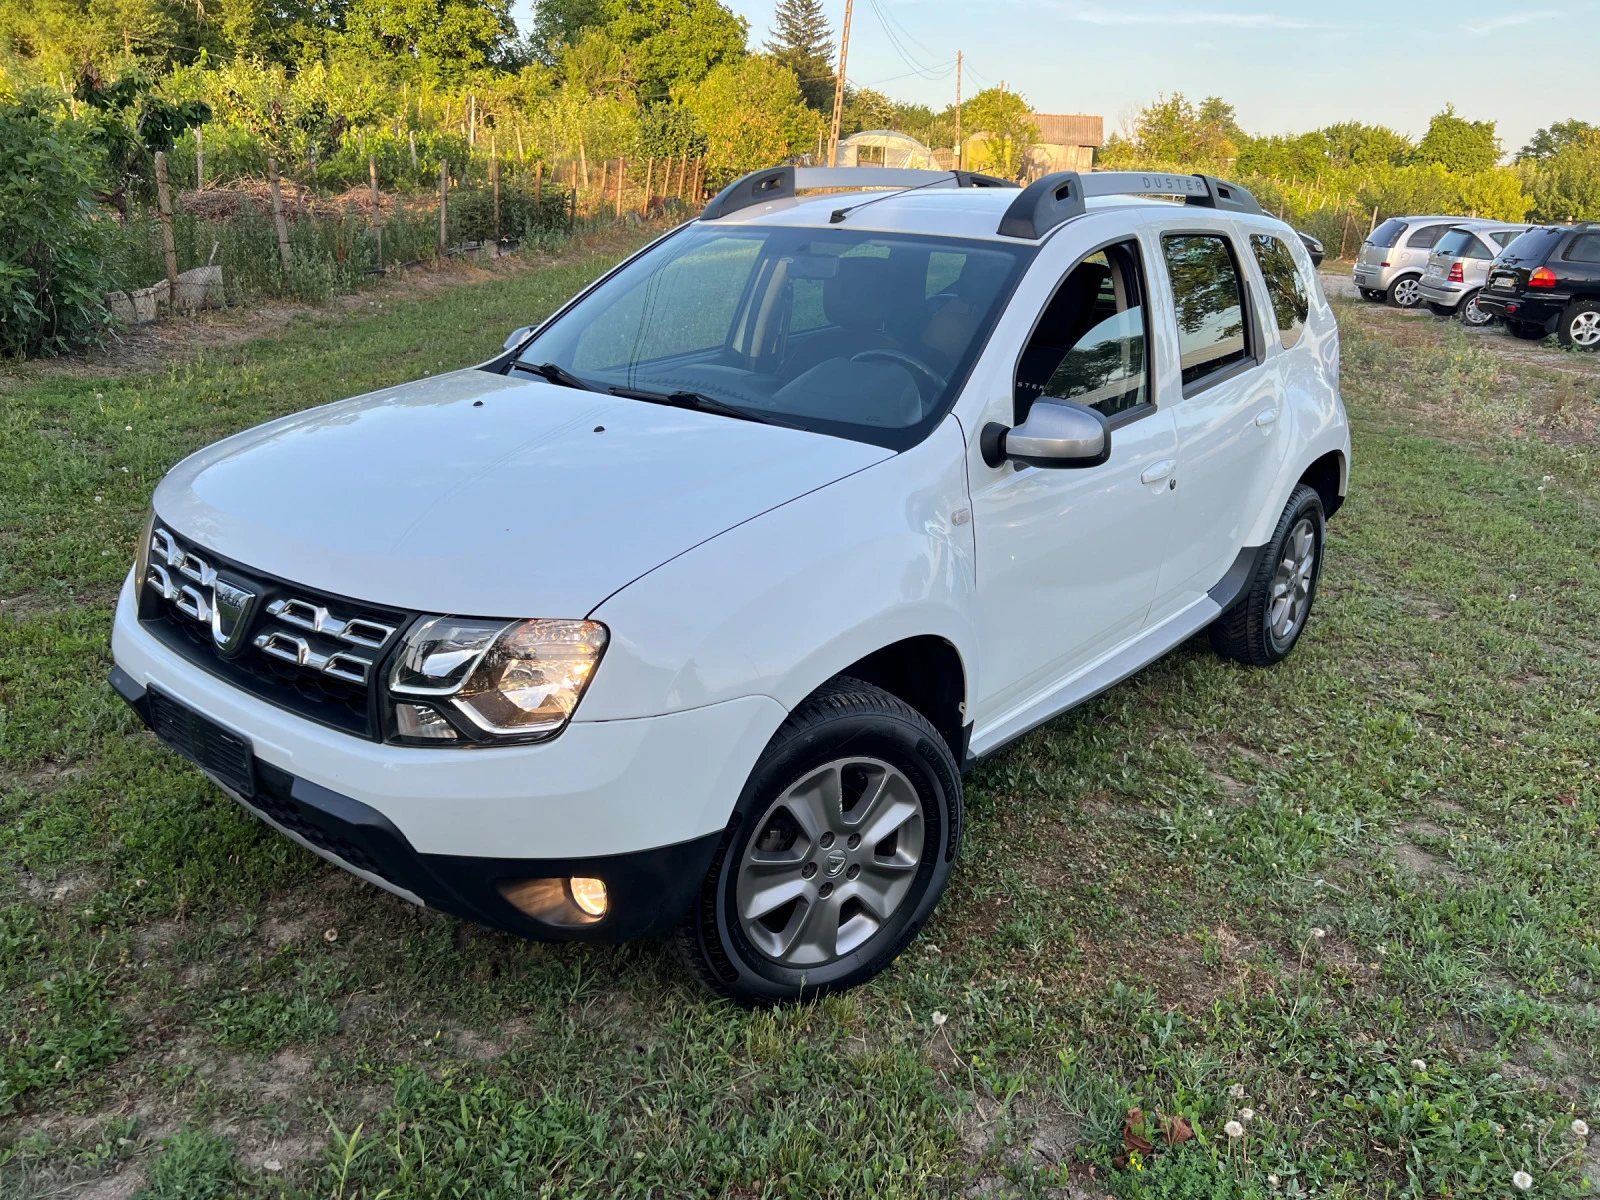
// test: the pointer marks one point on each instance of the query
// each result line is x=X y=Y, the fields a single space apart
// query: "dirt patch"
x=1424 y=864
x=122 y=1183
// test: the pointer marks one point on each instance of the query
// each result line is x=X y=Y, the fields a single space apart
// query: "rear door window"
x=1285 y=288
x=1387 y=234
x=1208 y=295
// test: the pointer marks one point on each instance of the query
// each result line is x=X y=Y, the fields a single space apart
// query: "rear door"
x=1228 y=414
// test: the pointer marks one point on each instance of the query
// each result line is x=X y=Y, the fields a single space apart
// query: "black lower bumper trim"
x=647 y=890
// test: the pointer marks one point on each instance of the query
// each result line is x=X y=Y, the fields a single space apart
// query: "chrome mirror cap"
x=1057 y=433
x=518 y=336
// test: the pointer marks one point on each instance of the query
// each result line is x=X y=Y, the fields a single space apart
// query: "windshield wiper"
x=551 y=373
x=700 y=402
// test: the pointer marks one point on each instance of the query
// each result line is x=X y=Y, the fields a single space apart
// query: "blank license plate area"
x=203 y=742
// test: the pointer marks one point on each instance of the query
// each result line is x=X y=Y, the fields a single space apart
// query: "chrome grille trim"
x=314 y=617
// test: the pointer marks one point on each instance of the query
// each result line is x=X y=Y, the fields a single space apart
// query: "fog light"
x=588 y=894
x=421 y=722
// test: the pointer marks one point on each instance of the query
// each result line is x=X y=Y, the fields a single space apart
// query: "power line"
x=927 y=72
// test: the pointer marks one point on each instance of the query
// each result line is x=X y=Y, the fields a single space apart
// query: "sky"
x=1285 y=67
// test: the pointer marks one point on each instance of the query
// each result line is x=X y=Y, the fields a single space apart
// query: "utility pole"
x=958 y=110
x=838 y=87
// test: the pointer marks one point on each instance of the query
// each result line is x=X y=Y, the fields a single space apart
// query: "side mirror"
x=1313 y=248
x=518 y=336
x=1057 y=433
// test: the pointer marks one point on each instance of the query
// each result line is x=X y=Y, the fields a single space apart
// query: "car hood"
x=481 y=495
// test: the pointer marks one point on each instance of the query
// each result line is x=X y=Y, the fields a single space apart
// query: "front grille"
x=315 y=654
x=226 y=755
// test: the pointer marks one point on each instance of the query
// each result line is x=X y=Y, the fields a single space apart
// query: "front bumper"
x=1543 y=311
x=647 y=890
x=638 y=803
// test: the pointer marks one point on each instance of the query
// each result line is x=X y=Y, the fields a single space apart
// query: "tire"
x=849 y=739
x=1580 y=325
x=1369 y=294
x=1525 y=331
x=1474 y=316
x=1254 y=631
x=1406 y=292
x=1441 y=310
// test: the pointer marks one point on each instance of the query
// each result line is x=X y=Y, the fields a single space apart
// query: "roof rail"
x=780 y=183
x=1047 y=202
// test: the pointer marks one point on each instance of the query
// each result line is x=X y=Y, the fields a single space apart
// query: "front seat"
x=856 y=302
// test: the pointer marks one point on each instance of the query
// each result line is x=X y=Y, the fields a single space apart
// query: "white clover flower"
x=1272 y=1180
x=1580 y=1128
x=1522 y=1181
x=1247 y=1114
x=1237 y=1091
x=939 y=1018
x=1233 y=1129
x=1318 y=932
x=1418 y=1065
x=1513 y=595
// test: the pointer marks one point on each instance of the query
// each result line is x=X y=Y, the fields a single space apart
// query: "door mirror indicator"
x=1056 y=433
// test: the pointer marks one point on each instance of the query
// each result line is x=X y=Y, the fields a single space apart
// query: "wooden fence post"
x=538 y=182
x=444 y=201
x=649 y=178
x=605 y=186
x=411 y=136
x=377 y=207
x=494 y=180
x=277 y=215
x=164 y=200
x=199 y=158
x=683 y=161
x=622 y=175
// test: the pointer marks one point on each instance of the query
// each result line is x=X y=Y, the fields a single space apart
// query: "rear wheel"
x=1406 y=292
x=1525 y=331
x=1441 y=310
x=1370 y=294
x=1474 y=315
x=840 y=847
x=1266 y=621
x=1580 y=325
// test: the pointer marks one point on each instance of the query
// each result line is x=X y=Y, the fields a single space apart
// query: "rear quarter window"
x=1424 y=238
x=1585 y=248
x=1387 y=234
x=1285 y=288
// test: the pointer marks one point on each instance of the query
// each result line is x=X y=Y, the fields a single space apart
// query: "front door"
x=1065 y=564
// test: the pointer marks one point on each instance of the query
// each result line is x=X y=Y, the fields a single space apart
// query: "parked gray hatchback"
x=1459 y=267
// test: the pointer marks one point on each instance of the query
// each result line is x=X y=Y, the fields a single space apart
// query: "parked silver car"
x=1459 y=267
x=1395 y=255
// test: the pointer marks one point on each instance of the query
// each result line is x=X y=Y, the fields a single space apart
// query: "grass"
x=1355 y=895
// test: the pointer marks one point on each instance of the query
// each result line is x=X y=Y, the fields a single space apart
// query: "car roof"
x=967 y=212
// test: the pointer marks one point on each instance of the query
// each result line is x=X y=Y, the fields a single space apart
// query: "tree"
x=1566 y=185
x=441 y=40
x=1458 y=145
x=675 y=42
x=1555 y=137
x=1354 y=144
x=1173 y=133
x=802 y=41
x=752 y=114
x=1002 y=117
x=558 y=23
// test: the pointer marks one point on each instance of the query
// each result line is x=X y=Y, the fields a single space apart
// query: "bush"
x=50 y=299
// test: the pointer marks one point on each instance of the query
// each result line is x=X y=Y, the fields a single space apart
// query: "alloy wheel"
x=1585 y=329
x=1291 y=583
x=830 y=862
x=1472 y=315
x=1407 y=293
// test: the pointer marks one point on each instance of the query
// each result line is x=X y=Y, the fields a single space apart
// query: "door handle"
x=1156 y=472
x=1266 y=417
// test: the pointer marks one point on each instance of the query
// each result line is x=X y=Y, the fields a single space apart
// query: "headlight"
x=141 y=561
x=462 y=681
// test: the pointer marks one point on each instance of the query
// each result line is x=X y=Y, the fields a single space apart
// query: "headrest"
x=858 y=297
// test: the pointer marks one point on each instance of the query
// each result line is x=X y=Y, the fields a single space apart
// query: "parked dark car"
x=1548 y=281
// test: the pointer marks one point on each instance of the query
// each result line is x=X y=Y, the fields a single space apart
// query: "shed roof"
x=1069 y=129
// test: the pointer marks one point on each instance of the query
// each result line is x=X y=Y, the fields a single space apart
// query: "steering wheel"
x=915 y=365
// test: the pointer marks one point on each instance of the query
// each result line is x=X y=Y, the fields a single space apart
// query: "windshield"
x=852 y=333
x=1387 y=234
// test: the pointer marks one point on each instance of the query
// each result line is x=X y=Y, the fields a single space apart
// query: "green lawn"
x=1357 y=895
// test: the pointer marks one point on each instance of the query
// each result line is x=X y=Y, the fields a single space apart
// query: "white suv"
x=686 y=614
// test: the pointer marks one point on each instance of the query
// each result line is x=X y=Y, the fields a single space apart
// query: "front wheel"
x=839 y=849
x=1266 y=621
x=1406 y=292
x=1580 y=325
